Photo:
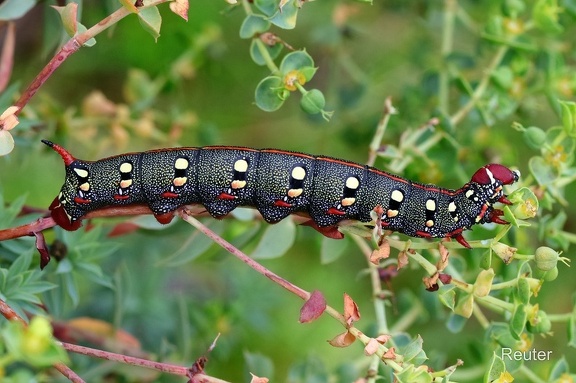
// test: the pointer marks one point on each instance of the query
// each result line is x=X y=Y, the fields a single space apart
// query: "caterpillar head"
x=491 y=178
x=73 y=200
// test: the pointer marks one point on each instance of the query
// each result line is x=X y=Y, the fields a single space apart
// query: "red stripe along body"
x=277 y=183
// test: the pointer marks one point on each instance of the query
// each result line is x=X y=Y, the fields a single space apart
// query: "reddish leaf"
x=351 y=312
x=313 y=308
x=7 y=55
x=342 y=340
x=123 y=229
x=329 y=231
x=257 y=379
x=42 y=249
x=445 y=278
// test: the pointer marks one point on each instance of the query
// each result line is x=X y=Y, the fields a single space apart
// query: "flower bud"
x=546 y=258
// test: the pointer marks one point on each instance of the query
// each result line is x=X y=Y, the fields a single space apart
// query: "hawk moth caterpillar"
x=277 y=183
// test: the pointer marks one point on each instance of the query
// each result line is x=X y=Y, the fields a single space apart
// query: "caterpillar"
x=277 y=183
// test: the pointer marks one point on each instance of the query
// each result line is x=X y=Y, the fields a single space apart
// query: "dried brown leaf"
x=444 y=255
x=342 y=340
x=382 y=339
x=382 y=252
x=371 y=347
x=313 y=307
x=351 y=312
x=390 y=354
x=402 y=259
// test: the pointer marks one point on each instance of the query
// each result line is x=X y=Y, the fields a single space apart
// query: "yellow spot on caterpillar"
x=348 y=201
x=126 y=167
x=392 y=213
x=456 y=219
x=179 y=181
x=352 y=183
x=85 y=186
x=431 y=205
x=452 y=207
x=397 y=196
x=293 y=193
x=181 y=163
x=429 y=223
x=83 y=173
x=238 y=184
x=241 y=166
x=469 y=193
x=298 y=173
x=125 y=183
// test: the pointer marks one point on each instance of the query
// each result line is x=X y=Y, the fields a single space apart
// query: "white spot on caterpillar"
x=348 y=201
x=298 y=173
x=397 y=196
x=293 y=193
x=179 y=181
x=125 y=183
x=352 y=183
x=469 y=193
x=85 y=186
x=431 y=205
x=83 y=173
x=238 y=184
x=126 y=167
x=392 y=213
x=490 y=175
x=181 y=163
x=241 y=166
x=452 y=207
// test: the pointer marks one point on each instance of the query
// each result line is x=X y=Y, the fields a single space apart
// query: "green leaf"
x=6 y=142
x=331 y=250
x=483 y=283
x=518 y=320
x=569 y=117
x=541 y=170
x=91 y=42
x=14 y=9
x=273 y=51
x=277 y=239
x=523 y=291
x=296 y=61
x=253 y=25
x=413 y=352
x=496 y=370
x=561 y=367
x=270 y=94
x=285 y=17
x=68 y=16
x=545 y=16
x=447 y=296
x=465 y=305
x=268 y=7
x=151 y=20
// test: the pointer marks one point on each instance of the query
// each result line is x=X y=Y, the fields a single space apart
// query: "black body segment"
x=277 y=183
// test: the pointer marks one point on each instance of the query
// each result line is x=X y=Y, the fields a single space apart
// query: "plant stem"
x=450 y=7
x=481 y=88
